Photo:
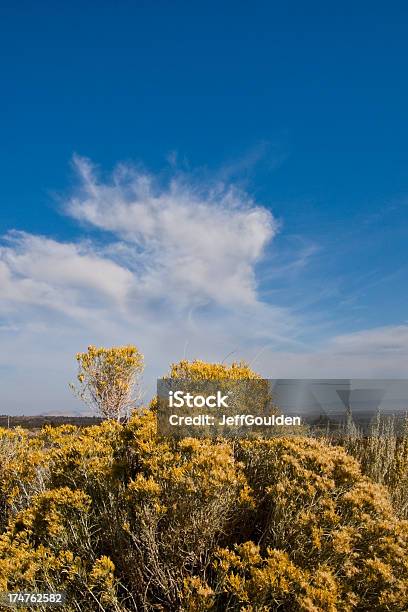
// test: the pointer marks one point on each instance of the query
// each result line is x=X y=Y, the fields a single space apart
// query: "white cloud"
x=177 y=277
x=198 y=243
x=380 y=352
x=379 y=341
x=67 y=277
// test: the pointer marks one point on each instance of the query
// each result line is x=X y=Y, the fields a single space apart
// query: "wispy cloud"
x=178 y=269
x=201 y=243
x=172 y=266
x=64 y=276
x=370 y=353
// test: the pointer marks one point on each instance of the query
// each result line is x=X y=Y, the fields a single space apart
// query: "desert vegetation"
x=122 y=519
x=107 y=379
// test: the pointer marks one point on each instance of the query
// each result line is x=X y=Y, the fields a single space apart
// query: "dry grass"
x=383 y=456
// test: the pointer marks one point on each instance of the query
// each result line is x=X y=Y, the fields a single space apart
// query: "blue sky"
x=283 y=126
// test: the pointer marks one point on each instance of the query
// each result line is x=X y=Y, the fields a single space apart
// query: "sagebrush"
x=124 y=520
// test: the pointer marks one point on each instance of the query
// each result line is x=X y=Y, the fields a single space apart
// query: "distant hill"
x=38 y=421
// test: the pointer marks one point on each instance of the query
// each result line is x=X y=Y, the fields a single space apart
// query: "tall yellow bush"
x=107 y=379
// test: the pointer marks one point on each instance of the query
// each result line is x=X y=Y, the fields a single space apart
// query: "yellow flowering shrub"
x=180 y=497
x=202 y=370
x=313 y=504
x=124 y=520
x=107 y=379
x=24 y=471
